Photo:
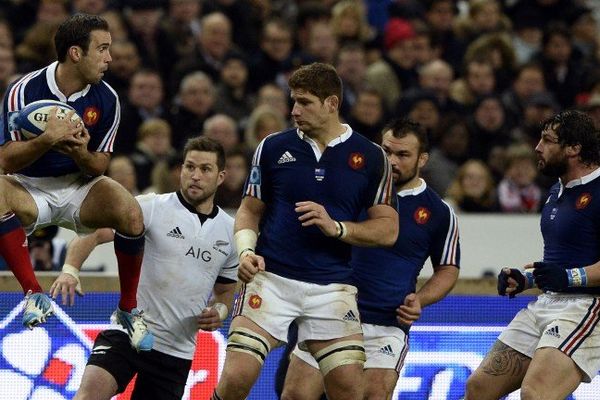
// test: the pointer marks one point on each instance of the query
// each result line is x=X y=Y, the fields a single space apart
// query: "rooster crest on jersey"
x=31 y=120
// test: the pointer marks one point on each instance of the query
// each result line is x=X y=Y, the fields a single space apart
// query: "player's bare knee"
x=293 y=394
x=345 y=352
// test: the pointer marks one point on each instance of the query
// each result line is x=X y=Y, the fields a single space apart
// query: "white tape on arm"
x=245 y=240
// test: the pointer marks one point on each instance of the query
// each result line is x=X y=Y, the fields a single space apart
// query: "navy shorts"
x=160 y=376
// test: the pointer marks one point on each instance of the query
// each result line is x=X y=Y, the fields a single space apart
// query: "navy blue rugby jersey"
x=352 y=174
x=570 y=225
x=385 y=276
x=97 y=105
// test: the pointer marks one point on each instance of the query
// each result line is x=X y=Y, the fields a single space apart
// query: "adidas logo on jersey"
x=350 y=316
x=387 y=350
x=285 y=158
x=553 y=332
x=176 y=233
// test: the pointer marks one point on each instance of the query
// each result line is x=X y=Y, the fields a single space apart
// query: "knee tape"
x=247 y=341
x=340 y=353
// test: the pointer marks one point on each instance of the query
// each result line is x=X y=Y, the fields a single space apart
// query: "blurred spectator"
x=274 y=96
x=489 y=133
x=116 y=27
x=527 y=37
x=263 y=121
x=421 y=106
x=276 y=44
x=6 y=35
x=426 y=45
x=122 y=170
x=592 y=108
x=395 y=72
x=440 y=16
x=52 y=12
x=144 y=101
x=233 y=96
x=473 y=190
x=142 y=18
x=37 y=48
x=246 y=17
x=538 y=108
x=47 y=252
x=349 y=22
x=528 y=81
x=478 y=81
x=223 y=129
x=585 y=31
x=367 y=116
x=309 y=13
x=125 y=62
x=182 y=25
x=436 y=76
x=8 y=68
x=213 y=43
x=351 y=66
x=153 y=145
x=165 y=175
x=517 y=191
x=94 y=7
x=484 y=16
x=564 y=71
x=448 y=155
x=322 y=44
x=194 y=104
x=548 y=10
x=497 y=48
x=237 y=167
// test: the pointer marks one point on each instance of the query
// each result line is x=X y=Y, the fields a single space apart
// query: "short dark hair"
x=401 y=127
x=75 y=31
x=576 y=128
x=319 y=79
x=202 y=143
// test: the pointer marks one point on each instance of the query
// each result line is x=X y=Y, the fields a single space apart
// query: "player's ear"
x=75 y=53
x=423 y=158
x=221 y=178
x=573 y=150
x=332 y=103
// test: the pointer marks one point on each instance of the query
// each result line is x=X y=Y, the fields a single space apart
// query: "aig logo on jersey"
x=583 y=201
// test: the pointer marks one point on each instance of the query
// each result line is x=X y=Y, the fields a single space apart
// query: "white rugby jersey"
x=185 y=254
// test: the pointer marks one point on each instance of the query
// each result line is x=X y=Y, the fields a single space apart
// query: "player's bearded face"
x=553 y=165
x=406 y=174
x=200 y=176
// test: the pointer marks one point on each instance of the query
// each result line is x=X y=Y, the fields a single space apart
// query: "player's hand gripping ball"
x=31 y=120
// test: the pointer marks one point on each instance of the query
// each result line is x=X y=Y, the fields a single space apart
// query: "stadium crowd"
x=480 y=75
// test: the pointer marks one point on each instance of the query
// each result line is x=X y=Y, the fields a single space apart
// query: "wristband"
x=222 y=310
x=577 y=277
x=245 y=240
x=529 y=278
x=340 y=230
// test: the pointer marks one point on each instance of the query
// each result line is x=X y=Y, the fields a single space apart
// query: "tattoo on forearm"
x=504 y=360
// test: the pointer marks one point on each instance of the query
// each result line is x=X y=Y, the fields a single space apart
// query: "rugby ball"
x=31 y=119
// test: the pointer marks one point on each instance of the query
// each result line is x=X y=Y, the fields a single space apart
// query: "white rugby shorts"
x=385 y=347
x=567 y=322
x=58 y=199
x=322 y=312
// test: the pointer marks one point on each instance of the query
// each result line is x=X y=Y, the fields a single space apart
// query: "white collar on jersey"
x=579 y=181
x=315 y=147
x=414 y=191
x=340 y=139
x=51 y=79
